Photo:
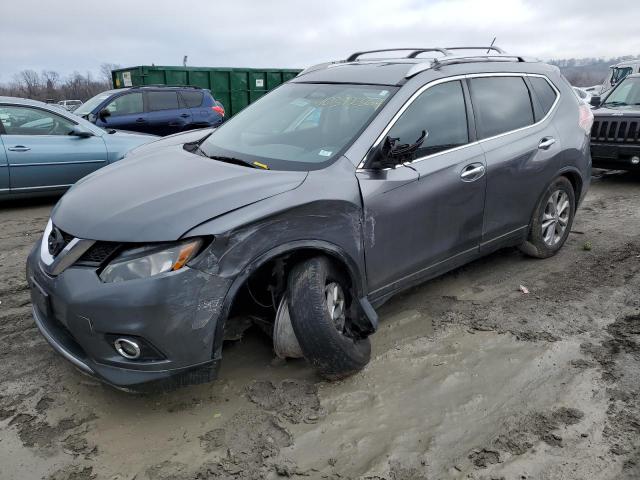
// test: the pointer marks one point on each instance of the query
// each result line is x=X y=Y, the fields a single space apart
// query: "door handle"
x=546 y=142
x=184 y=115
x=140 y=120
x=19 y=148
x=472 y=172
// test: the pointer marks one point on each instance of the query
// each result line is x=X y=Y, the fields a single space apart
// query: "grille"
x=67 y=237
x=616 y=131
x=99 y=252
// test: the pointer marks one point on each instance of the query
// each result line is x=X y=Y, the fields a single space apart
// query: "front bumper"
x=614 y=156
x=179 y=314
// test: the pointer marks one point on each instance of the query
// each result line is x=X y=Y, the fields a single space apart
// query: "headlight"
x=148 y=261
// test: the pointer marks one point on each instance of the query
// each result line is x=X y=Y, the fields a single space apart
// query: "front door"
x=41 y=154
x=125 y=112
x=4 y=167
x=425 y=216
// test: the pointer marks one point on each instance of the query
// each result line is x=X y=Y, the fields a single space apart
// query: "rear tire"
x=321 y=325
x=551 y=221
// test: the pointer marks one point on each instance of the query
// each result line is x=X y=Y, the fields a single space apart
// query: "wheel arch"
x=300 y=250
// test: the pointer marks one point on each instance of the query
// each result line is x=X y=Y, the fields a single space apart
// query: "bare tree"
x=105 y=72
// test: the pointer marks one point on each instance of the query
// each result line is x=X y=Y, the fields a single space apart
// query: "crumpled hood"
x=160 y=195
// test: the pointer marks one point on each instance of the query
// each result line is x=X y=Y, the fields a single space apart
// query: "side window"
x=128 y=104
x=33 y=121
x=163 y=101
x=440 y=111
x=191 y=99
x=546 y=94
x=501 y=104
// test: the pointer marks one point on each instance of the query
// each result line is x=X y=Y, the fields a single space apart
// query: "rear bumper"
x=614 y=156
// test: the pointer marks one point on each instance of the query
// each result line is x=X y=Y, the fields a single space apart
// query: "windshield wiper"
x=234 y=160
x=614 y=104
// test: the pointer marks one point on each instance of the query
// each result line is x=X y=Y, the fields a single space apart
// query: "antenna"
x=184 y=61
x=492 y=42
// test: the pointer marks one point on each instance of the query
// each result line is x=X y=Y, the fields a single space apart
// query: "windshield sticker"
x=325 y=153
x=384 y=93
x=349 y=101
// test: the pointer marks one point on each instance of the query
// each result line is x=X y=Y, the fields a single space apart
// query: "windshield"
x=626 y=93
x=618 y=73
x=299 y=126
x=92 y=103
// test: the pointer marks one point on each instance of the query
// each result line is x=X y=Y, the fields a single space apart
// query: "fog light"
x=127 y=348
x=635 y=160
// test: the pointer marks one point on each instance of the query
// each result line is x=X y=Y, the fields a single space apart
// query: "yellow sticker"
x=261 y=165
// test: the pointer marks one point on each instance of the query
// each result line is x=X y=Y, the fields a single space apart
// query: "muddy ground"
x=470 y=378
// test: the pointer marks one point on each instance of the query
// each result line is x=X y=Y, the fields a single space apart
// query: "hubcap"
x=334 y=296
x=555 y=217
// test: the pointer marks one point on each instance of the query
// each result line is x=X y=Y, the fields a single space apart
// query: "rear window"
x=192 y=99
x=501 y=104
x=162 y=101
x=545 y=93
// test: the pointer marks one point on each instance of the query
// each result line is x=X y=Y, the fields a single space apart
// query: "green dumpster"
x=234 y=87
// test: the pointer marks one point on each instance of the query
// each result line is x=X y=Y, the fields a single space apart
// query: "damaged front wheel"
x=321 y=315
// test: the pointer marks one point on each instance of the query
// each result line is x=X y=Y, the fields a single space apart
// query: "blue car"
x=45 y=149
x=159 y=110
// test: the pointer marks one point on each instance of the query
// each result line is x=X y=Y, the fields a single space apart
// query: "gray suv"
x=303 y=213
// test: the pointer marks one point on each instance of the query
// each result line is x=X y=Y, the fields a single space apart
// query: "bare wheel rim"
x=335 y=300
x=555 y=217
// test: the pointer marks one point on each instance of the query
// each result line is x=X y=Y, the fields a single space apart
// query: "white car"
x=582 y=94
x=70 y=105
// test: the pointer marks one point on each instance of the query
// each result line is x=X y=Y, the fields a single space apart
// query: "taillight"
x=218 y=109
x=586 y=118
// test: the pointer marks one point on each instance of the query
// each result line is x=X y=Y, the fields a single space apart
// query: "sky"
x=79 y=35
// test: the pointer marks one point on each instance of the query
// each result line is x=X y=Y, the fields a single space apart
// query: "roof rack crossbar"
x=354 y=56
x=488 y=49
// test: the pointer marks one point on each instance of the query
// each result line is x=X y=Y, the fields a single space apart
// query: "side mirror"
x=595 y=100
x=389 y=154
x=78 y=131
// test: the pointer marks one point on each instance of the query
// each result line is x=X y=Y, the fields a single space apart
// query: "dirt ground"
x=470 y=378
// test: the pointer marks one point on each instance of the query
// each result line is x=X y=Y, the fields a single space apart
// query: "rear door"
x=193 y=100
x=426 y=216
x=126 y=112
x=41 y=154
x=522 y=150
x=166 y=113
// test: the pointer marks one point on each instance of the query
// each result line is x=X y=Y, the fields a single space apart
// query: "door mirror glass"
x=595 y=100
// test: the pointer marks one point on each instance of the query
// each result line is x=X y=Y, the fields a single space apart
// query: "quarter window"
x=439 y=111
x=501 y=104
x=192 y=99
x=33 y=121
x=546 y=94
x=162 y=101
x=128 y=104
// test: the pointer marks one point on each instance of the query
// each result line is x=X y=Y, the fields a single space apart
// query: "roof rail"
x=450 y=60
x=414 y=51
x=155 y=85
